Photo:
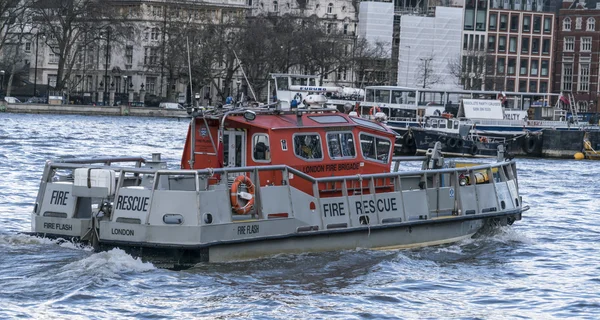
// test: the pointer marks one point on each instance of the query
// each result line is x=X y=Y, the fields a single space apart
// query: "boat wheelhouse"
x=261 y=181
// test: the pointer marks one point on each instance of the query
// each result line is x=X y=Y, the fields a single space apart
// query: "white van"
x=171 y=105
x=12 y=100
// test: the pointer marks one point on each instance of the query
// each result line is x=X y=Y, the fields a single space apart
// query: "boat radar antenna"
x=244 y=74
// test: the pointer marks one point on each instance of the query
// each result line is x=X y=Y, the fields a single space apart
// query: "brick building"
x=507 y=45
x=577 y=53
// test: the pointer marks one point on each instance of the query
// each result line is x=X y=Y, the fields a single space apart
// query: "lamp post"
x=407 y=63
x=37 y=36
x=2 y=81
x=106 y=61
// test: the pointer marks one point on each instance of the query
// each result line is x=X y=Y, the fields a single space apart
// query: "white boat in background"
x=501 y=113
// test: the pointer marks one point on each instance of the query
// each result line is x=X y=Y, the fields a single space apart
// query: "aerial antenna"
x=187 y=40
x=244 y=74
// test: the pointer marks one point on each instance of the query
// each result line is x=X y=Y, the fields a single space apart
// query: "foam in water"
x=110 y=263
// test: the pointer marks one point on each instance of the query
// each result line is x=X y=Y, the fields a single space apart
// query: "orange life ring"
x=234 y=195
x=374 y=110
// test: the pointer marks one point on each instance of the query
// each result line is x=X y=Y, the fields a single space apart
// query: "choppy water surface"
x=545 y=266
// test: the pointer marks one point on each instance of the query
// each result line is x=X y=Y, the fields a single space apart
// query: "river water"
x=546 y=266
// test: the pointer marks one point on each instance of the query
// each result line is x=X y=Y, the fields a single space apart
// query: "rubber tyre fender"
x=452 y=142
x=409 y=141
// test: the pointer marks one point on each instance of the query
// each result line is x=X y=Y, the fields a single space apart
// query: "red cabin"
x=320 y=143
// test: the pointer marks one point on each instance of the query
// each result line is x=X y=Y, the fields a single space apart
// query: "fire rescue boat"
x=260 y=181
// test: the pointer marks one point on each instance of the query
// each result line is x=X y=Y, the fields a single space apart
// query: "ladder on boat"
x=573 y=108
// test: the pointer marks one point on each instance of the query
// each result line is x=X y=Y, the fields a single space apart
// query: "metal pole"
x=106 y=65
x=187 y=40
x=37 y=36
x=407 y=63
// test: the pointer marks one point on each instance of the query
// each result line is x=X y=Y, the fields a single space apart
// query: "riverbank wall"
x=92 y=110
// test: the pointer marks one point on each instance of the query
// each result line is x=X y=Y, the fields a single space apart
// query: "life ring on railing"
x=374 y=110
x=235 y=201
x=452 y=142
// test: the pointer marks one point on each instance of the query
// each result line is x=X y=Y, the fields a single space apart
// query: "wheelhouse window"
x=341 y=145
x=261 y=151
x=375 y=148
x=308 y=146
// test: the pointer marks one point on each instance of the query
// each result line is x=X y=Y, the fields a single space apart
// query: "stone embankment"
x=92 y=110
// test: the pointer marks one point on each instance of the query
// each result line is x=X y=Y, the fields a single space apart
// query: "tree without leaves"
x=369 y=61
x=70 y=25
x=426 y=75
x=469 y=71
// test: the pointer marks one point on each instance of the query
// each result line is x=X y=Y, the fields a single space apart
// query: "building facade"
x=577 y=55
x=432 y=43
x=508 y=45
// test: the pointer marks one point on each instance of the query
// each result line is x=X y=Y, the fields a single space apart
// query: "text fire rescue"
x=362 y=207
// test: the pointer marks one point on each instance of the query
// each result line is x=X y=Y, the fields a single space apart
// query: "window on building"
x=27 y=46
x=526 y=23
x=503 y=22
x=275 y=6
x=547 y=24
x=154 y=34
x=500 y=65
x=493 y=18
x=514 y=23
x=512 y=46
x=340 y=145
x=129 y=55
x=535 y=45
x=524 y=45
x=469 y=19
x=534 y=67
x=566 y=24
x=586 y=44
x=511 y=65
x=523 y=86
x=591 y=24
x=330 y=8
x=476 y=43
x=544 y=70
x=510 y=85
x=584 y=77
x=375 y=148
x=569 y=44
x=345 y=28
x=308 y=146
x=502 y=43
x=567 y=76
x=578 y=22
x=151 y=85
x=150 y=55
x=537 y=24
x=330 y=28
x=465 y=42
x=532 y=85
x=546 y=46
x=523 y=68
x=53 y=57
x=543 y=86
x=492 y=43
x=482 y=43
x=471 y=40
x=480 y=23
